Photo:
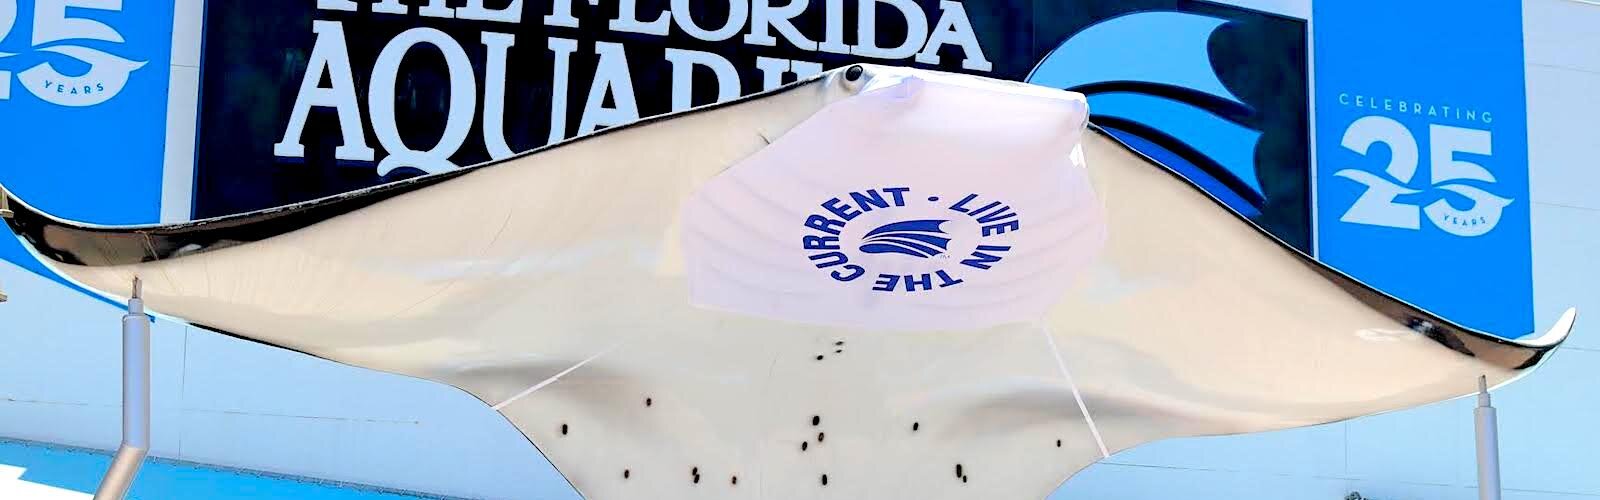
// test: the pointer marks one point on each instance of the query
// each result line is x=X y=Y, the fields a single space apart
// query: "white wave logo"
x=1379 y=205
x=107 y=73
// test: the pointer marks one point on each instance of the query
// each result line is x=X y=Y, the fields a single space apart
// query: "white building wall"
x=224 y=401
x=229 y=402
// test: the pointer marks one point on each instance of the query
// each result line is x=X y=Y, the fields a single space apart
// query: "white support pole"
x=5 y=213
x=1488 y=445
x=135 y=402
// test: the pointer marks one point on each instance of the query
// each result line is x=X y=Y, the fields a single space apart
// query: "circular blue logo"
x=908 y=242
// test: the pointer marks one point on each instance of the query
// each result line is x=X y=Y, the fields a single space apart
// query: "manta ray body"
x=873 y=283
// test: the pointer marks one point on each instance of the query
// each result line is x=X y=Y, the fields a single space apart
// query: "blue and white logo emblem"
x=908 y=242
x=1150 y=79
x=917 y=238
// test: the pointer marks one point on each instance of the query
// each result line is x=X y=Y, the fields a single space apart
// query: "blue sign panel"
x=1422 y=156
x=83 y=96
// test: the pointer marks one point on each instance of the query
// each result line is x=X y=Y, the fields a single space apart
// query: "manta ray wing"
x=648 y=315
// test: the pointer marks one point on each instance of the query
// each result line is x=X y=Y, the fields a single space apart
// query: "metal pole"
x=5 y=204
x=135 y=402
x=5 y=213
x=1488 y=445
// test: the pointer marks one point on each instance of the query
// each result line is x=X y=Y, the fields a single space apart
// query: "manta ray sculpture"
x=874 y=283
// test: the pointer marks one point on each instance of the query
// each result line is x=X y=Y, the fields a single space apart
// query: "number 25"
x=1377 y=205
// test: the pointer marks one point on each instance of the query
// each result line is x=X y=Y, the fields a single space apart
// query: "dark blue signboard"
x=308 y=99
x=1422 y=177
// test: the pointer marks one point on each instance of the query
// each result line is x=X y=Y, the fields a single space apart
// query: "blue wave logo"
x=917 y=238
x=1150 y=82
